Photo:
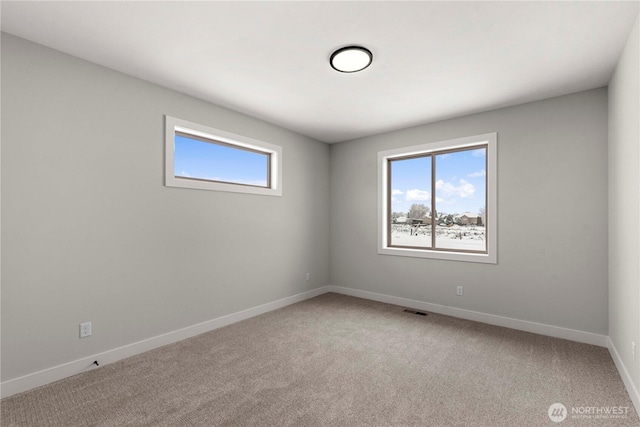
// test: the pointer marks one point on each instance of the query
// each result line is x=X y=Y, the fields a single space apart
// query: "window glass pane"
x=460 y=189
x=197 y=159
x=410 y=202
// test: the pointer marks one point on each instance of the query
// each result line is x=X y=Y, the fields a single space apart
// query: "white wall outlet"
x=633 y=350
x=460 y=291
x=85 y=329
x=308 y=276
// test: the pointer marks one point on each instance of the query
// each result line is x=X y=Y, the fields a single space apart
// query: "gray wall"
x=624 y=206
x=552 y=210
x=89 y=232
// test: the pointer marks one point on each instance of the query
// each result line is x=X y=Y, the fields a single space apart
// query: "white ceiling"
x=432 y=60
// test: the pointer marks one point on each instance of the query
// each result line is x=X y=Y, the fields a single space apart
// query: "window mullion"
x=433 y=201
x=389 y=207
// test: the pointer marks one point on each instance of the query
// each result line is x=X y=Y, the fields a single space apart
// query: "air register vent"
x=419 y=313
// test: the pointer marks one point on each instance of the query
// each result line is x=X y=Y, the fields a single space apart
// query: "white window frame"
x=173 y=125
x=491 y=257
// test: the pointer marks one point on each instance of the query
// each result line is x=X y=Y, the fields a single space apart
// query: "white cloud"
x=445 y=202
x=464 y=189
x=416 y=195
x=481 y=152
x=396 y=192
x=477 y=174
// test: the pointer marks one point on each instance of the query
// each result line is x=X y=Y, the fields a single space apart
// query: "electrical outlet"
x=460 y=291
x=633 y=350
x=85 y=329
x=308 y=276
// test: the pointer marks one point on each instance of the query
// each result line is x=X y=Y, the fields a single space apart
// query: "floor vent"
x=419 y=313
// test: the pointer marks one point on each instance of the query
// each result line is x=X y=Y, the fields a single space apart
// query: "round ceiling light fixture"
x=351 y=59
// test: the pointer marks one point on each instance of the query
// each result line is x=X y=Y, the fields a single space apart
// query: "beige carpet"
x=339 y=361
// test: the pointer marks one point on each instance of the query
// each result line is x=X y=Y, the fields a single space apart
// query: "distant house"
x=468 y=218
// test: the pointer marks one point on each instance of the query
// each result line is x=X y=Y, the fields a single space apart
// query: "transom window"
x=211 y=159
x=438 y=200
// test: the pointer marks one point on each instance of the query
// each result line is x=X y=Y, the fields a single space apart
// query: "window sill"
x=489 y=258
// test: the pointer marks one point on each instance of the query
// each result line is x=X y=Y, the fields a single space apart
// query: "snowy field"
x=455 y=237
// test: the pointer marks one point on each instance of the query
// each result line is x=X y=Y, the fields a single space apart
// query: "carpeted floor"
x=336 y=360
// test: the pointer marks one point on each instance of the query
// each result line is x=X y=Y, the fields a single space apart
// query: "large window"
x=438 y=200
x=211 y=159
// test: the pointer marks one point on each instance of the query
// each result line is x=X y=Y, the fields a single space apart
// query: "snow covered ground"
x=455 y=237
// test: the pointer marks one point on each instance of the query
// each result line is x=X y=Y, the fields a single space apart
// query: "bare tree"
x=418 y=211
x=482 y=216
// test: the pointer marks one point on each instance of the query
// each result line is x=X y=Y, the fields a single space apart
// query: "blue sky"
x=460 y=182
x=197 y=159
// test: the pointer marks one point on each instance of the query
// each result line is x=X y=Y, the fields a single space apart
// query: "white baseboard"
x=624 y=374
x=46 y=376
x=507 y=322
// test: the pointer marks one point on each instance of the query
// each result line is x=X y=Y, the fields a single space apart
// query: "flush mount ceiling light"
x=351 y=59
